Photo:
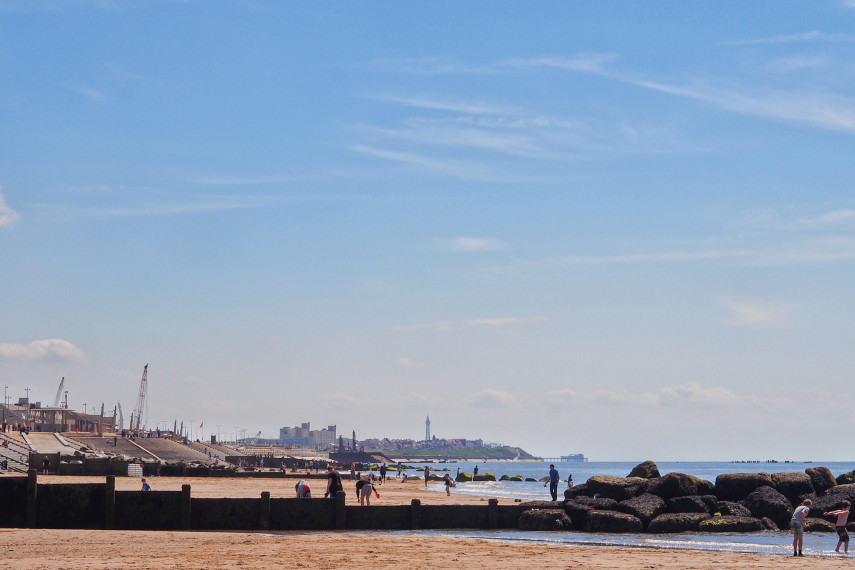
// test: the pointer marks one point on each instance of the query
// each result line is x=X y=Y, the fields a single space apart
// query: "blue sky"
x=625 y=229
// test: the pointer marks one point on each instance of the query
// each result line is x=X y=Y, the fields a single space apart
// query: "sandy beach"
x=48 y=549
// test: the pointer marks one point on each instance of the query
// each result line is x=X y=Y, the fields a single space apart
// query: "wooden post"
x=32 y=504
x=493 y=513
x=340 y=520
x=110 y=503
x=264 y=523
x=415 y=514
x=186 y=515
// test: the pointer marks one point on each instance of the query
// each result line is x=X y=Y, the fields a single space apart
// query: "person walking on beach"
x=553 y=482
x=797 y=525
x=46 y=466
x=842 y=518
x=427 y=474
x=145 y=485
x=383 y=470
x=333 y=482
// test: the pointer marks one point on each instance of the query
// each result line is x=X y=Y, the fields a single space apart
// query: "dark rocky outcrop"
x=728 y=508
x=645 y=507
x=767 y=502
x=679 y=485
x=579 y=508
x=463 y=477
x=611 y=521
x=846 y=478
x=828 y=502
x=731 y=524
x=676 y=522
x=694 y=504
x=769 y=524
x=545 y=519
x=794 y=486
x=645 y=470
x=737 y=486
x=484 y=477
x=819 y=525
x=821 y=478
x=617 y=488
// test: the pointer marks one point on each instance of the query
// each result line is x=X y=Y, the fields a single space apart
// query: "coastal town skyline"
x=622 y=229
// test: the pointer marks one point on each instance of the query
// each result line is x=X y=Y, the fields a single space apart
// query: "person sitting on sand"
x=797 y=525
x=842 y=518
x=145 y=486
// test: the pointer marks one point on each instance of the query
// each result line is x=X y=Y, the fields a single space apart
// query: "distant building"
x=427 y=429
x=304 y=436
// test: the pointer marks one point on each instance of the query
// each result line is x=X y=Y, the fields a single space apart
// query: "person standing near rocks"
x=333 y=482
x=842 y=518
x=553 y=482
x=427 y=474
x=797 y=525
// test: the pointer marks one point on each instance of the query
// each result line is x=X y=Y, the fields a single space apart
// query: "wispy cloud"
x=104 y=213
x=810 y=36
x=689 y=393
x=8 y=216
x=585 y=62
x=437 y=104
x=496 y=322
x=799 y=63
x=471 y=245
x=42 y=350
x=758 y=315
x=492 y=398
x=88 y=92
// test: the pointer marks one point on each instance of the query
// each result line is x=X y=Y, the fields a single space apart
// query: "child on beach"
x=797 y=525
x=449 y=483
x=842 y=517
x=145 y=486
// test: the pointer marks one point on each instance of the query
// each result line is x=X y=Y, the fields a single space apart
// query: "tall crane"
x=138 y=412
x=59 y=393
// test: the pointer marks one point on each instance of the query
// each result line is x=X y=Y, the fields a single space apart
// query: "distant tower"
x=427 y=429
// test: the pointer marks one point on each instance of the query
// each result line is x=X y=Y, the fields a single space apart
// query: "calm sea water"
x=773 y=543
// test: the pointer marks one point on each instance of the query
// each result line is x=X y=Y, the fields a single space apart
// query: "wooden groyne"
x=28 y=504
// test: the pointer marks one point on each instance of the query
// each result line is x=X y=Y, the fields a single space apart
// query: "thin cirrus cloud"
x=758 y=315
x=810 y=36
x=42 y=350
x=497 y=322
x=471 y=244
x=8 y=216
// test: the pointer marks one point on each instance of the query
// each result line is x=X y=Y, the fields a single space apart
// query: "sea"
x=769 y=542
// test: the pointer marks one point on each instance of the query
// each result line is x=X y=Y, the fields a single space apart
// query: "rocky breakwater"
x=644 y=501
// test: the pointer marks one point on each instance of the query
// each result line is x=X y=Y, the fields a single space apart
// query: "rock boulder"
x=645 y=507
x=544 y=519
x=731 y=524
x=728 y=508
x=645 y=470
x=679 y=485
x=821 y=478
x=695 y=504
x=617 y=488
x=767 y=502
x=611 y=521
x=676 y=522
x=794 y=486
x=737 y=486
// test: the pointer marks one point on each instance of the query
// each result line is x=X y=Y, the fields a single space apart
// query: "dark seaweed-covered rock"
x=463 y=477
x=645 y=507
x=728 y=508
x=676 y=522
x=576 y=491
x=544 y=519
x=794 y=486
x=696 y=504
x=484 y=477
x=737 y=486
x=846 y=491
x=821 y=478
x=846 y=478
x=516 y=478
x=679 y=485
x=579 y=508
x=531 y=479
x=645 y=470
x=769 y=524
x=819 y=525
x=731 y=524
x=610 y=521
x=617 y=488
x=767 y=502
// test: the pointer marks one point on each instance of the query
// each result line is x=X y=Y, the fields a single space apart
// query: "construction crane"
x=254 y=440
x=138 y=412
x=59 y=393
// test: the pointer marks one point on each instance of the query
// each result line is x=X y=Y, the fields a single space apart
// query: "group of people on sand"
x=797 y=526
